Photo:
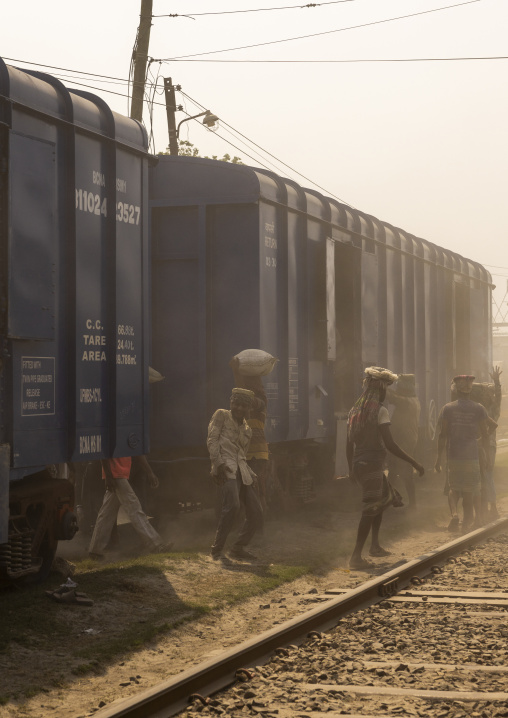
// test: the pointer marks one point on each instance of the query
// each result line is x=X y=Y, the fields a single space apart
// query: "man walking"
x=228 y=441
x=462 y=422
x=490 y=398
x=119 y=492
x=258 y=452
x=368 y=437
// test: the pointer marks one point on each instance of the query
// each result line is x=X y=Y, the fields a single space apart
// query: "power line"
x=273 y=156
x=64 y=69
x=320 y=34
x=103 y=89
x=66 y=76
x=108 y=79
x=151 y=101
x=403 y=59
x=261 y=9
x=254 y=159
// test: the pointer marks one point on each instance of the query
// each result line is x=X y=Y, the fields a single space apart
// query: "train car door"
x=348 y=345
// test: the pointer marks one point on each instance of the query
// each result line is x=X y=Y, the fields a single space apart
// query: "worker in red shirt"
x=119 y=492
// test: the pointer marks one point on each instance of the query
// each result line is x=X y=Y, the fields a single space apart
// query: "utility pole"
x=169 y=93
x=140 y=58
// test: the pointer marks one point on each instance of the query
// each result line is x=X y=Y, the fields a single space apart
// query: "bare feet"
x=359 y=563
x=379 y=551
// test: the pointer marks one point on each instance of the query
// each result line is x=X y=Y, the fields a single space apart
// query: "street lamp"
x=209 y=119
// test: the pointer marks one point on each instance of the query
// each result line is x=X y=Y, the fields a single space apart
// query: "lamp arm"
x=187 y=120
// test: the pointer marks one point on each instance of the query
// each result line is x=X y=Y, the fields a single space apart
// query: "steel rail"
x=172 y=696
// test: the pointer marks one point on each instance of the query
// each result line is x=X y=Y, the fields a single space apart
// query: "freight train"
x=74 y=305
x=243 y=258
x=231 y=257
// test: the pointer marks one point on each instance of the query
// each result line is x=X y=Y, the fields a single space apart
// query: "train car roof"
x=195 y=180
x=44 y=95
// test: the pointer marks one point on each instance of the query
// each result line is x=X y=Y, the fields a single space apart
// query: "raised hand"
x=495 y=374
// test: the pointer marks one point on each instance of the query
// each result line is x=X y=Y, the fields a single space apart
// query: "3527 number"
x=127 y=213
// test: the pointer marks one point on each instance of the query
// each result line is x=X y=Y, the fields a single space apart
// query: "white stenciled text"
x=93 y=203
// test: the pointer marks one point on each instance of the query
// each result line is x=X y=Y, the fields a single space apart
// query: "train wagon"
x=74 y=304
x=243 y=258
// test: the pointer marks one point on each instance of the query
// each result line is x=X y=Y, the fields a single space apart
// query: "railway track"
x=298 y=669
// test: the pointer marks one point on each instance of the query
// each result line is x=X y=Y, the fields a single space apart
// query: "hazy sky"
x=421 y=145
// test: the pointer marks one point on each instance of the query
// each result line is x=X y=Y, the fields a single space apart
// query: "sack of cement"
x=254 y=362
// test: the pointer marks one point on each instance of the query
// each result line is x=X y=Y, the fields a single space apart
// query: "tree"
x=187 y=149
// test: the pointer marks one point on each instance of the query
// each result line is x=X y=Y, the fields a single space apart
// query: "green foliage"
x=187 y=149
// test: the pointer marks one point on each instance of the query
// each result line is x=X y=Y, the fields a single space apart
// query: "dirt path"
x=190 y=643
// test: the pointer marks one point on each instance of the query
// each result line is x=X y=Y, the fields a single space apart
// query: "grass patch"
x=26 y=619
x=241 y=587
x=84 y=669
x=136 y=601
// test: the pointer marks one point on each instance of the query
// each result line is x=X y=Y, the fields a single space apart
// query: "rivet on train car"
x=133 y=441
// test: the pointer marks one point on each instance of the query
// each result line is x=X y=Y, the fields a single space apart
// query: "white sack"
x=255 y=362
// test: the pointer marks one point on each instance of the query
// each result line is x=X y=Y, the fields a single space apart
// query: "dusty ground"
x=325 y=531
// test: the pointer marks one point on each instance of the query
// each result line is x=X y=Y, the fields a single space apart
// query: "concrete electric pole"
x=169 y=93
x=140 y=59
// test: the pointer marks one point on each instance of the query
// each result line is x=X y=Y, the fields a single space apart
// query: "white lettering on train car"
x=90 y=396
x=90 y=324
x=93 y=340
x=99 y=178
x=89 y=355
x=126 y=348
x=94 y=203
x=90 y=444
x=37 y=386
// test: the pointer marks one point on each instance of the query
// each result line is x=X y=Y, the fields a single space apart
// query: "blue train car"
x=74 y=326
x=242 y=258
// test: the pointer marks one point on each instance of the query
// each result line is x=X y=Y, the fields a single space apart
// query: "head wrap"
x=459 y=378
x=366 y=407
x=384 y=375
x=406 y=385
x=245 y=396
